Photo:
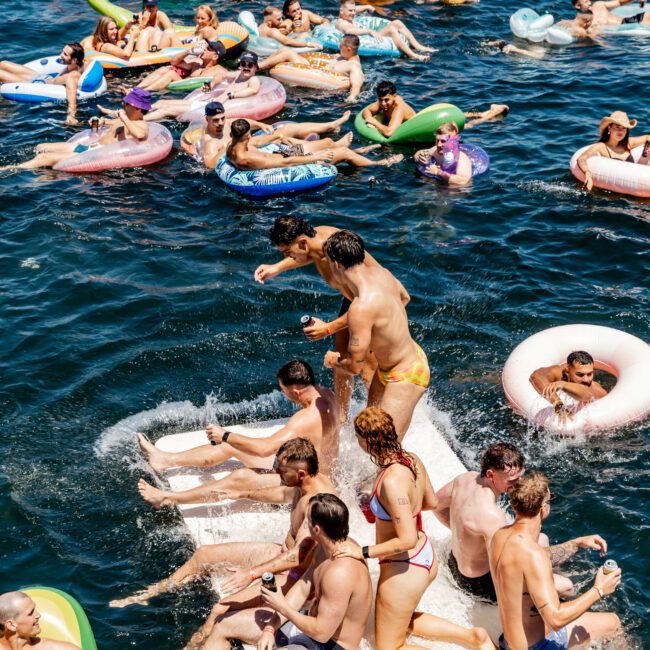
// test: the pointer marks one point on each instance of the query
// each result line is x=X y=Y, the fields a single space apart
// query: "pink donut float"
x=623 y=355
x=270 y=100
x=615 y=175
x=117 y=155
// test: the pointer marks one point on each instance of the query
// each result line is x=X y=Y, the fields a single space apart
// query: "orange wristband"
x=328 y=330
x=252 y=575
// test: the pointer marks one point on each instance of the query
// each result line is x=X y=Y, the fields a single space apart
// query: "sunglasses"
x=246 y=64
x=551 y=497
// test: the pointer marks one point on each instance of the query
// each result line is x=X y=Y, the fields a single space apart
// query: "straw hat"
x=617 y=117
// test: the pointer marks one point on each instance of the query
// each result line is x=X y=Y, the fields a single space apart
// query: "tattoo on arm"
x=354 y=340
x=403 y=502
x=560 y=553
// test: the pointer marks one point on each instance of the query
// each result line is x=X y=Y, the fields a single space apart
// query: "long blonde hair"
x=100 y=35
x=214 y=20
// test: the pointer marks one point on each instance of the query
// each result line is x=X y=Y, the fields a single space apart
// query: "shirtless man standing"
x=346 y=63
x=72 y=56
x=396 y=30
x=299 y=21
x=216 y=139
x=377 y=321
x=317 y=420
x=242 y=153
x=271 y=28
x=298 y=470
x=341 y=602
x=19 y=626
x=529 y=608
x=127 y=124
x=575 y=379
x=302 y=244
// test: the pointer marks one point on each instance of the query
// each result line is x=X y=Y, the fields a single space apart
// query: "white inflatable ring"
x=625 y=356
x=615 y=175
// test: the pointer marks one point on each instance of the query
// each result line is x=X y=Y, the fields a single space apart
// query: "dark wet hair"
x=239 y=129
x=287 y=4
x=581 y=357
x=286 y=230
x=346 y=248
x=351 y=40
x=331 y=514
x=386 y=88
x=527 y=496
x=300 y=450
x=500 y=456
x=77 y=52
x=296 y=373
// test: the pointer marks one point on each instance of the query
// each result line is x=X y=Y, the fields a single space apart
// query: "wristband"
x=601 y=593
x=268 y=628
x=252 y=575
x=231 y=95
x=365 y=552
x=328 y=330
x=226 y=435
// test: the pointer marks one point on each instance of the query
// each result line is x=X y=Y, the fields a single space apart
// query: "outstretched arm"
x=560 y=553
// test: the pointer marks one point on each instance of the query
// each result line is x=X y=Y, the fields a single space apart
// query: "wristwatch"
x=226 y=435
x=365 y=552
x=231 y=95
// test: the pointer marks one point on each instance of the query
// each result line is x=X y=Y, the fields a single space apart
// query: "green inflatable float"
x=188 y=85
x=420 y=128
x=122 y=16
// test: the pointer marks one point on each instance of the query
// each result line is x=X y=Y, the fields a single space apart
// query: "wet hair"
x=77 y=52
x=296 y=373
x=300 y=450
x=386 y=88
x=270 y=10
x=346 y=248
x=528 y=494
x=377 y=428
x=351 y=40
x=500 y=456
x=331 y=514
x=286 y=230
x=239 y=128
x=447 y=127
x=625 y=142
x=581 y=357
x=100 y=35
x=286 y=5
x=212 y=15
x=10 y=604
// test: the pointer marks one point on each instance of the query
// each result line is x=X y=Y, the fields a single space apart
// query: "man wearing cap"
x=270 y=28
x=72 y=57
x=191 y=62
x=615 y=142
x=128 y=124
x=346 y=63
x=243 y=83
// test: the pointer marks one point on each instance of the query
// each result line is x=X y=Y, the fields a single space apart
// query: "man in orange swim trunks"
x=377 y=321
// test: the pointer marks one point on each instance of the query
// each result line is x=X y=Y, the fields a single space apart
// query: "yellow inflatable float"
x=62 y=617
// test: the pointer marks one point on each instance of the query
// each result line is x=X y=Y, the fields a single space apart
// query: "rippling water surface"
x=128 y=303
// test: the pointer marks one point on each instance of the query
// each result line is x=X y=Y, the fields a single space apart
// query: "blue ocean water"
x=128 y=304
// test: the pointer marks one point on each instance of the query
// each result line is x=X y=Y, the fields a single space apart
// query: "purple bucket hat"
x=139 y=98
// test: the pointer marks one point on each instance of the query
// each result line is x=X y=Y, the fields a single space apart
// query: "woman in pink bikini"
x=407 y=561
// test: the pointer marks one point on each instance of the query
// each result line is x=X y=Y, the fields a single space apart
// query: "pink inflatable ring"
x=117 y=155
x=621 y=354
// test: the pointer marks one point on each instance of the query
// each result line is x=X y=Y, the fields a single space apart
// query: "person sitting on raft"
x=615 y=142
x=154 y=28
x=19 y=626
x=297 y=152
x=575 y=378
x=299 y=21
x=128 y=124
x=346 y=63
x=191 y=62
x=458 y=172
x=244 y=83
x=72 y=56
x=603 y=17
x=394 y=111
x=396 y=30
x=271 y=28
x=107 y=39
x=216 y=138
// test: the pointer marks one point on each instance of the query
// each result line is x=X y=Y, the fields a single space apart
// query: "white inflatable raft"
x=246 y=521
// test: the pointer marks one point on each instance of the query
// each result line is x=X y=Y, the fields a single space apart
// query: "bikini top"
x=630 y=157
x=375 y=504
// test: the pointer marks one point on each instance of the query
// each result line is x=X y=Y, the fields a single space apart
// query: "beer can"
x=609 y=566
x=268 y=581
x=306 y=321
